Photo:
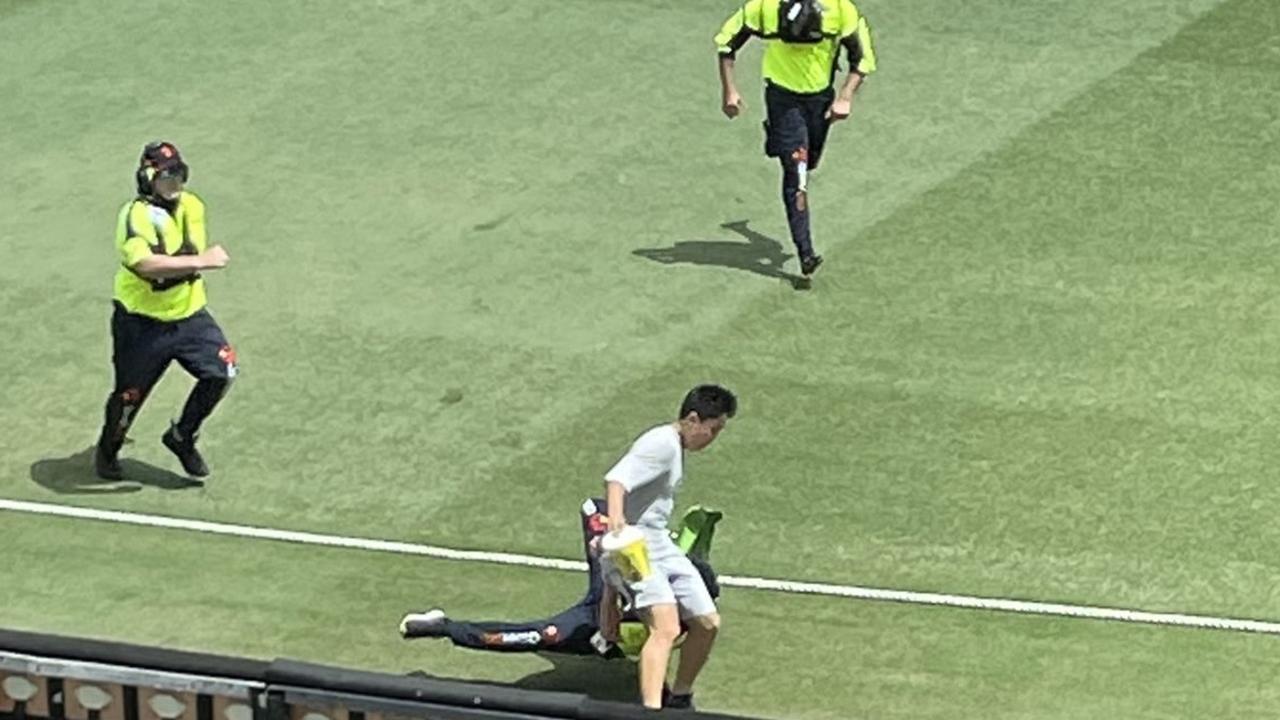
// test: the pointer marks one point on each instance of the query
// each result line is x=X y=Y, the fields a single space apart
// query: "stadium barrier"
x=49 y=677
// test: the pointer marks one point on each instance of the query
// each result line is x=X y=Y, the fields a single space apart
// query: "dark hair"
x=709 y=402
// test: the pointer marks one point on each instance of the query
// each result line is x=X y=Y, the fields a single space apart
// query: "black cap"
x=164 y=158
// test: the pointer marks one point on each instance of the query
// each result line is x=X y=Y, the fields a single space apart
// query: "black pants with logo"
x=569 y=632
x=143 y=348
x=796 y=134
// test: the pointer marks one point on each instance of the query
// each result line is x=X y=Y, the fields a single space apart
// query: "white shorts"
x=673 y=580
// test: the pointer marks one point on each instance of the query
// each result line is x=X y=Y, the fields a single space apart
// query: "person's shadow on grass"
x=600 y=679
x=74 y=475
x=760 y=254
x=592 y=676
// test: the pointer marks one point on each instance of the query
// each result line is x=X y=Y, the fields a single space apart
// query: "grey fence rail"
x=51 y=677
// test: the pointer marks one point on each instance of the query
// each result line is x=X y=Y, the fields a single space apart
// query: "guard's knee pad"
x=128 y=401
x=130 y=397
x=800 y=159
x=122 y=408
x=795 y=170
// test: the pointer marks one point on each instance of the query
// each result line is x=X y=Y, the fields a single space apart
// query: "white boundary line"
x=786 y=586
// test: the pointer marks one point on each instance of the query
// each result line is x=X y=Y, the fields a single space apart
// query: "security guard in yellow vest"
x=803 y=39
x=160 y=313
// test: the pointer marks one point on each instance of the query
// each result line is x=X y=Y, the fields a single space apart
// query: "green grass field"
x=476 y=248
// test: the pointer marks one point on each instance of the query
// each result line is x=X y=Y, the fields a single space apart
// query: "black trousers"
x=569 y=632
x=796 y=133
x=143 y=348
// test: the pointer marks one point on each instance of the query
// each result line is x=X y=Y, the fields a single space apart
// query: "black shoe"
x=677 y=702
x=428 y=624
x=107 y=465
x=185 y=449
x=809 y=264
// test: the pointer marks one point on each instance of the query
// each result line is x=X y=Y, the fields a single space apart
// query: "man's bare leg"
x=695 y=651
x=664 y=627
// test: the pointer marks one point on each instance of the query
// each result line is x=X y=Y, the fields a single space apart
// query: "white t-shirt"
x=651 y=471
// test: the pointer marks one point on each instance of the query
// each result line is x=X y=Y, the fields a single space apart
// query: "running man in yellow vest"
x=803 y=39
x=160 y=313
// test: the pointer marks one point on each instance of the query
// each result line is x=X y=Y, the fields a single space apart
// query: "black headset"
x=799 y=22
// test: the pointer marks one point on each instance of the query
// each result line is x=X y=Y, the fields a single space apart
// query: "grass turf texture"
x=1037 y=365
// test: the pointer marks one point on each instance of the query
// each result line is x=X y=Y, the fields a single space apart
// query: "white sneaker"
x=428 y=624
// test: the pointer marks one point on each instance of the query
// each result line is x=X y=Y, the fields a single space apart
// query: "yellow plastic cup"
x=628 y=552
